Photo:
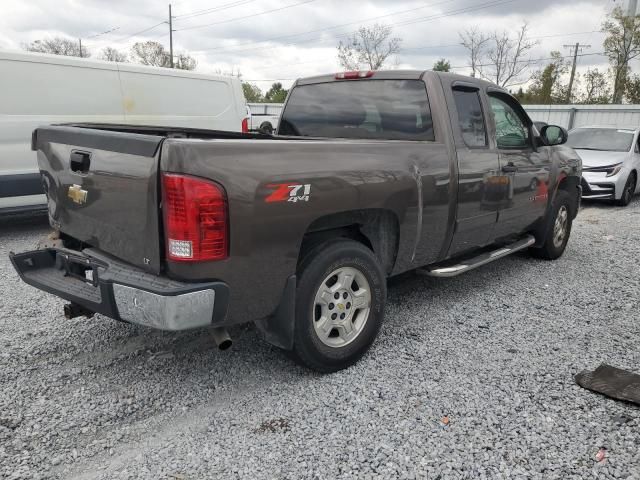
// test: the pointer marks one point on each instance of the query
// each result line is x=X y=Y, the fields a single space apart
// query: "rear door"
x=525 y=168
x=102 y=189
x=479 y=184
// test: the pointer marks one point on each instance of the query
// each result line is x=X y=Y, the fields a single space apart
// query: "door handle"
x=80 y=161
x=509 y=168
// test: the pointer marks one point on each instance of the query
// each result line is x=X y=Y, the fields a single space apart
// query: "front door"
x=525 y=168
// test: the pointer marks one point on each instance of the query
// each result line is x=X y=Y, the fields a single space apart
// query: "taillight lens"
x=195 y=219
x=245 y=125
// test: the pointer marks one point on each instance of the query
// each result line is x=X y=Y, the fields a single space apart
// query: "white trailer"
x=38 y=89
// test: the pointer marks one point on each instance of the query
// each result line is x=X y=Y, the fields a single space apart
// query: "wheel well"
x=570 y=185
x=376 y=229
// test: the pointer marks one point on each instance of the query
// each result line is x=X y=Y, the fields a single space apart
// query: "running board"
x=475 y=262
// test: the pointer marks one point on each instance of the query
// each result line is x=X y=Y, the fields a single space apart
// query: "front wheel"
x=557 y=236
x=628 y=191
x=340 y=298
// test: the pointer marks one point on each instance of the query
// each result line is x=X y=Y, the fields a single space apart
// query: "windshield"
x=369 y=109
x=607 y=139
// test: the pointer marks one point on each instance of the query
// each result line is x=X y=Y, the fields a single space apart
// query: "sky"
x=281 y=40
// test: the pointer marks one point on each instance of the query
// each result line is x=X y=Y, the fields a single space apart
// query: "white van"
x=38 y=89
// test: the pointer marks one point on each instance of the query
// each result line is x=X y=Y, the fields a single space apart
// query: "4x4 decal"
x=285 y=192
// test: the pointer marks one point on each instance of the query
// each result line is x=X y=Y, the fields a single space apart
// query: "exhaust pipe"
x=221 y=337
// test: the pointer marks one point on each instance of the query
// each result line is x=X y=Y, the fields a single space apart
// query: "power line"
x=207 y=11
x=102 y=33
x=280 y=37
x=489 y=4
x=120 y=40
x=245 y=16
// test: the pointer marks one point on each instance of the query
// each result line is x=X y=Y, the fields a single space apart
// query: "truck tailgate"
x=102 y=189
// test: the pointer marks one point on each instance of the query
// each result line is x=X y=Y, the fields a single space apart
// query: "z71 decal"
x=285 y=192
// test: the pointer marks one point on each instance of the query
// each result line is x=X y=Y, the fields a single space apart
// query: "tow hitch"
x=73 y=310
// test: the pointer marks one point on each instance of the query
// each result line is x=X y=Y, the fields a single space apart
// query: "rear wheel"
x=628 y=191
x=557 y=236
x=340 y=301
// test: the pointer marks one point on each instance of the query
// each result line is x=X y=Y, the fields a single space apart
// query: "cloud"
x=288 y=42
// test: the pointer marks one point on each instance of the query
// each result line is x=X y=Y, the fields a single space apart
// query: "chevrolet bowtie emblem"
x=77 y=194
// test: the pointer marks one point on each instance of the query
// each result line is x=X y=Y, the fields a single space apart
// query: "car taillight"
x=353 y=75
x=245 y=125
x=195 y=219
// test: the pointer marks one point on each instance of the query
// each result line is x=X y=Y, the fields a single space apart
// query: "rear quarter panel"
x=343 y=175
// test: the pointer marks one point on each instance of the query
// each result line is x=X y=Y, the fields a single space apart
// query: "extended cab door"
x=479 y=188
x=524 y=168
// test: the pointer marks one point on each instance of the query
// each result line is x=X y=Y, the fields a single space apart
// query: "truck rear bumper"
x=105 y=285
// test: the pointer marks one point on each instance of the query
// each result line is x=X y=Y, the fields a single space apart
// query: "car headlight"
x=614 y=170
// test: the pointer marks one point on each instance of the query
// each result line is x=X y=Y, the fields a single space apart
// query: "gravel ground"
x=471 y=377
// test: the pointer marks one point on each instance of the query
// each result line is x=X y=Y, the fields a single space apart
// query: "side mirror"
x=553 y=135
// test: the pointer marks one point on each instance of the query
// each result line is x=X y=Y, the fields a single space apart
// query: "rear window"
x=369 y=109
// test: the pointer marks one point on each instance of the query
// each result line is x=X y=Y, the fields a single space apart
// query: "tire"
x=322 y=341
x=558 y=234
x=266 y=128
x=628 y=191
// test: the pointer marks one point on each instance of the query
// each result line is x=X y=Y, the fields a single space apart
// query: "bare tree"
x=184 y=62
x=621 y=45
x=506 y=56
x=475 y=42
x=369 y=47
x=150 y=53
x=110 y=54
x=499 y=57
x=154 y=54
x=57 y=46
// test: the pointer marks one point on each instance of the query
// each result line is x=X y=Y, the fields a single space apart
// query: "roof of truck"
x=398 y=75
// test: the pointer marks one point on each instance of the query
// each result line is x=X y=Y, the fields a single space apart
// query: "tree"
x=368 y=48
x=184 y=62
x=632 y=90
x=442 y=65
x=547 y=87
x=154 y=54
x=499 y=57
x=252 y=93
x=475 y=42
x=596 y=88
x=276 y=94
x=58 y=46
x=621 y=45
x=110 y=54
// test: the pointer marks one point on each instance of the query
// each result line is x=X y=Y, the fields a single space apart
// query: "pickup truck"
x=371 y=174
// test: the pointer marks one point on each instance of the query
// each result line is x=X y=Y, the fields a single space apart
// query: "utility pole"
x=80 y=42
x=577 y=47
x=170 y=36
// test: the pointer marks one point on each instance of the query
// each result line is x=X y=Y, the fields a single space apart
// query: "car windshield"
x=606 y=139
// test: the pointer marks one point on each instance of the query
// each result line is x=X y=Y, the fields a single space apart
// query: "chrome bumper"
x=104 y=285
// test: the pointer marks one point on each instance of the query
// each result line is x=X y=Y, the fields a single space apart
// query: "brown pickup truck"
x=370 y=174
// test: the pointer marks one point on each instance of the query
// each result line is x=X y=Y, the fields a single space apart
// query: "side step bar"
x=475 y=262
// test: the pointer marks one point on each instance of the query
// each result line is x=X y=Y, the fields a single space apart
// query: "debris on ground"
x=612 y=382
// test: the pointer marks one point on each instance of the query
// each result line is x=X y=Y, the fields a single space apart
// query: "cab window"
x=470 y=117
x=511 y=130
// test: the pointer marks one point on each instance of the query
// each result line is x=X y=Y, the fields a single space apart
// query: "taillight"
x=245 y=125
x=353 y=75
x=195 y=219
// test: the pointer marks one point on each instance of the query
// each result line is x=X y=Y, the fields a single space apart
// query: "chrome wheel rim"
x=341 y=307
x=560 y=226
